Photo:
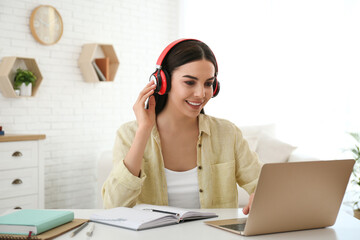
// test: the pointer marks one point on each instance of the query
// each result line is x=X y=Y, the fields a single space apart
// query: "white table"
x=346 y=227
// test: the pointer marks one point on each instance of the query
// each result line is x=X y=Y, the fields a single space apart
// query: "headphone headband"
x=168 y=48
x=162 y=78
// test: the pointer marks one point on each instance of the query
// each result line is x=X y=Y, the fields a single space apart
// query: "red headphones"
x=162 y=78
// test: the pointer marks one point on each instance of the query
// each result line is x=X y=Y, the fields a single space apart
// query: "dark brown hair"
x=183 y=53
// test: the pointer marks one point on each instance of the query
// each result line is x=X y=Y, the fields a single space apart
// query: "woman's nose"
x=200 y=92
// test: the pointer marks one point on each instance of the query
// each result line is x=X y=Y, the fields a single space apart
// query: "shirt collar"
x=204 y=124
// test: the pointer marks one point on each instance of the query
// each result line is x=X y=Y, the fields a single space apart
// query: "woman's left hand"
x=247 y=208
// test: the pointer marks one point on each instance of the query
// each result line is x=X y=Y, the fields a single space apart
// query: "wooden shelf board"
x=21 y=137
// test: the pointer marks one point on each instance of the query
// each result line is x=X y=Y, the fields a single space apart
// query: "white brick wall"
x=80 y=119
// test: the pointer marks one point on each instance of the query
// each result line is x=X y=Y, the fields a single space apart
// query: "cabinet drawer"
x=18 y=154
x=24 y=202
x=18 y=182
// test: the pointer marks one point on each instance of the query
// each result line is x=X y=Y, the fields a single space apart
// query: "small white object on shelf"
x=25 y=90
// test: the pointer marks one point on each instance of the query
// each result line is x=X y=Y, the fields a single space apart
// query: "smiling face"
x=191 y=88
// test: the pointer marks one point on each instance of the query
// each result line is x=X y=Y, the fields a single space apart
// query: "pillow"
x=252 y=133
x=257 y=130
x=271 y=150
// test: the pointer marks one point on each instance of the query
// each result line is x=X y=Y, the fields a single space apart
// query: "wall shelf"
x=8 y=68
x=89 y=53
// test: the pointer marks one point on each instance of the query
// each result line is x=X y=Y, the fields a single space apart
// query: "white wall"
x=294 y=63
x=80 y=119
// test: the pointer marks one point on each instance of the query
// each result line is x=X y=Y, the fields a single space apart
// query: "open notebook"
x=147 y=216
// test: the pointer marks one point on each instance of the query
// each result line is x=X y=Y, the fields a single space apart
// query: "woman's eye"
x=189 y=83
x=208 y=84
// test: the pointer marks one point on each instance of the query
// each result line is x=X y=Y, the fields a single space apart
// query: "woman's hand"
x=145 y=117
x=247 y=208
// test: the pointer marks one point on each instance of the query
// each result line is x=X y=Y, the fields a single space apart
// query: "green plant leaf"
x=356 y=136
x=24 y=76
x=356 y=169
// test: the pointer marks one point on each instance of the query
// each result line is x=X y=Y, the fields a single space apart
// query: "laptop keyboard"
x=237 y=227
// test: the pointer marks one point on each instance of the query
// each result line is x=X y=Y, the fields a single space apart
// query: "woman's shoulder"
x=128 y=128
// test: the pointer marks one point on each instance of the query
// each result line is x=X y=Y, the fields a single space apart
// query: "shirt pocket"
x=224 y=183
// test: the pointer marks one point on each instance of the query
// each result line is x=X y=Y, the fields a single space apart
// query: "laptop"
x=293 y=196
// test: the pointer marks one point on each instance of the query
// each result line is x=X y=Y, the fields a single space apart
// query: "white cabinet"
x=21 y=172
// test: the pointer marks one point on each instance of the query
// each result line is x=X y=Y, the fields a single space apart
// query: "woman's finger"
x=145 y=91
x=146 y=96
x=246 y=210
x=152 y=103
x=141 y=100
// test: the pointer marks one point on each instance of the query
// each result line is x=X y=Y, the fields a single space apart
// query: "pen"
x=160 y=211
x=91 y=229
x=79 y=229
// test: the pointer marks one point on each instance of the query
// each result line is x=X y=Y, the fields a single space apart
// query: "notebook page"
x=132 y=218
x=181 y=212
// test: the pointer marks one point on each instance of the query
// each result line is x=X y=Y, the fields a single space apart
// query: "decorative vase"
x=357 y=213
x=25 y=90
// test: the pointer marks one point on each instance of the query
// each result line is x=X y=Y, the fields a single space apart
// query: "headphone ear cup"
x=168 y=82
x=164 y=78
x=155 y=77
x=216 y=88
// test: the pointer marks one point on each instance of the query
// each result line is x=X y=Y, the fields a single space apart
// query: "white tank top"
x=183 y=188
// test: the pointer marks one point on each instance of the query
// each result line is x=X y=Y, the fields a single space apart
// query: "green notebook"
x=34 y=220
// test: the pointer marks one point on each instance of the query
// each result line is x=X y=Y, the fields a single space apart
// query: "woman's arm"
x=146 y=120
x=248 y=168
x=123 y=185
x=133 y=159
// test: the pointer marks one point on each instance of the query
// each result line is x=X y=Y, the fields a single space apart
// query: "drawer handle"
x=17 y=154
x=17 y=181
x=17 y=208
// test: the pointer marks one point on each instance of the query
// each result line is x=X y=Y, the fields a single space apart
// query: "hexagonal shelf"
x=92 y=51
x=8 y=68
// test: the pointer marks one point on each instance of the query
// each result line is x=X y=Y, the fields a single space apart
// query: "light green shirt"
x=223 y=159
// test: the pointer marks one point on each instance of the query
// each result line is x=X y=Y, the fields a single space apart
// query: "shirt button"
x=199 y=145
x=199 y=167
x=200 y=190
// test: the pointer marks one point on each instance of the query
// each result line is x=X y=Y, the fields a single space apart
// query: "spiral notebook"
x=48 y=234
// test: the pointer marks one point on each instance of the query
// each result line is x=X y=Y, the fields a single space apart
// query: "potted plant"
x=24 y=79
x=356 y=173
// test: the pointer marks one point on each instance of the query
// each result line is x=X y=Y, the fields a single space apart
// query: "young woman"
x=174 y=154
